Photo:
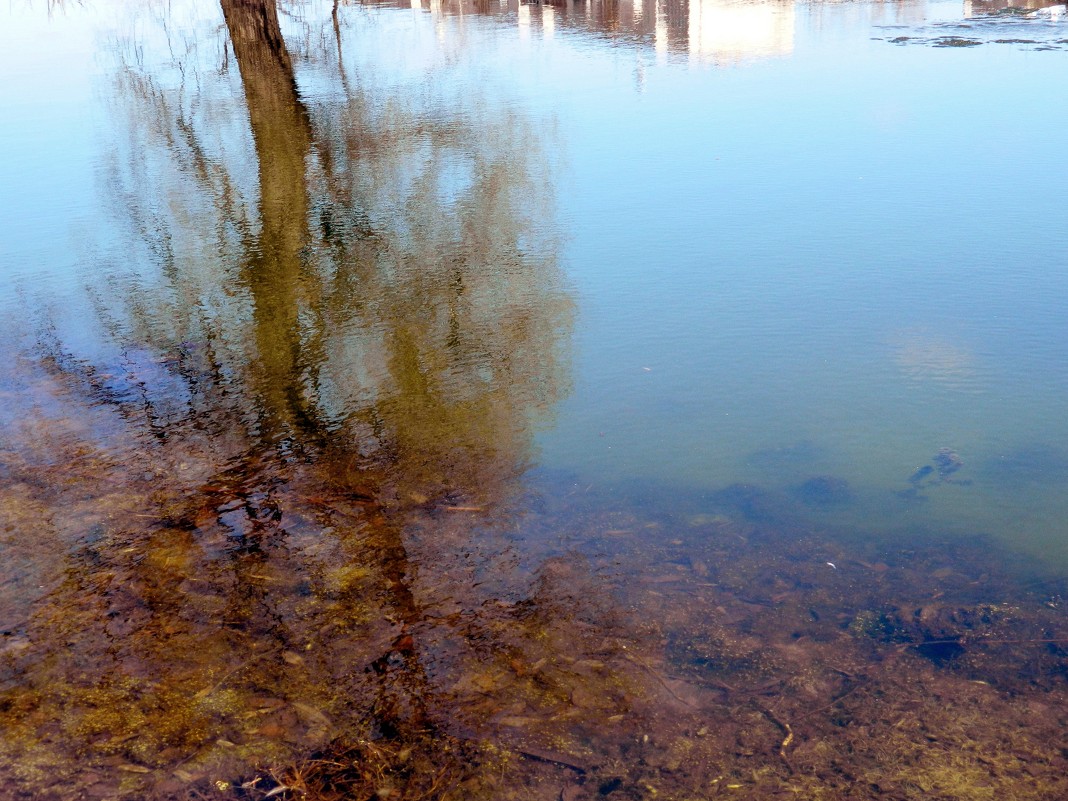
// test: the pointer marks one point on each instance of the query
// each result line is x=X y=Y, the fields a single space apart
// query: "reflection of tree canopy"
x=357 y=286
x=368 y=273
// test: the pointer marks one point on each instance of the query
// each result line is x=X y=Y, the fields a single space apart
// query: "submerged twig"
x=978 y=640
x=846 y=694
x=786 y=729
x=207 y=691
x=553 y=758
x=656 y=675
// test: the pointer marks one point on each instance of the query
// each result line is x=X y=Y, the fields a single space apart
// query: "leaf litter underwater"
x=190 y=619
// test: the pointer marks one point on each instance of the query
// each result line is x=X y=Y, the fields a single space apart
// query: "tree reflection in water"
x=332 y=343
x=266 y=529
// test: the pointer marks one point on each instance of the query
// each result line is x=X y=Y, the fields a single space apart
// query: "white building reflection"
x=978 y=8
x=725 y=31
x=697 y=31
x=700 y=31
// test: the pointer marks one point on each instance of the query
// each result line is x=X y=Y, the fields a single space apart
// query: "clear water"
x=444 y=258
x=781 y=232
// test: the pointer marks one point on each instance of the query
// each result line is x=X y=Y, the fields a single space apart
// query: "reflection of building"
x=705 y=31
x=726 y=31
x=977 y=8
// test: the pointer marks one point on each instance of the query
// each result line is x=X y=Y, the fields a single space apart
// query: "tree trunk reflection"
x=339 y=336
x=273 y=267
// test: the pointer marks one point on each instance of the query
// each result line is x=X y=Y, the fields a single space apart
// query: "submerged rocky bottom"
x=713 y=658
x=192 y=616
x=291 y=637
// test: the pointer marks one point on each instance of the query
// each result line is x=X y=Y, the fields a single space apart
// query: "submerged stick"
x=659 y=678
x=786 y=730
x=553 y=758
x=978 y=640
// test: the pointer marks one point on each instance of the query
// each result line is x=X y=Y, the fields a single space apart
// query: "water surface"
x=482 y=400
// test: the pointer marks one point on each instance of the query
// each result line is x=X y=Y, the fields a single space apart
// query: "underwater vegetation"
x=266 y=629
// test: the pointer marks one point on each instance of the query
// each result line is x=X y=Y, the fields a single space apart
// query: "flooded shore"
x=279 y=626
x=465 y=401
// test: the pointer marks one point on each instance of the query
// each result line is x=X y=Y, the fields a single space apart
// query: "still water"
x=649 y=399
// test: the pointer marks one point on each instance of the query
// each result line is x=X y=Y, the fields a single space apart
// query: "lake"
x=441 y=400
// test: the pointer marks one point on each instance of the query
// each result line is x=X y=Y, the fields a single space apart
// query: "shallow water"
x=482 y=400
